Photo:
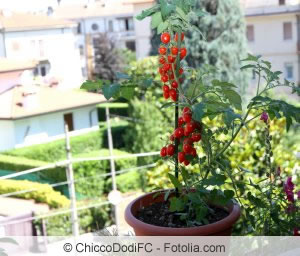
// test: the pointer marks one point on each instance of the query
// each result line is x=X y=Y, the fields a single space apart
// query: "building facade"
x=38 y=114
x=111 y=17
x=48 y=40
x=273 y=31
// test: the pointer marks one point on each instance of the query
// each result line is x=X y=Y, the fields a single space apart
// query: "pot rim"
x=227 y=222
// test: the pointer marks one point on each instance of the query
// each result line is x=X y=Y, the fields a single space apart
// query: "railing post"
x=70 y=179
x=112 y=165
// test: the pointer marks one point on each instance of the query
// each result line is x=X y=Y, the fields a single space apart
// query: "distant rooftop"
x=10 y=65
x=97 y=9
x=269 y=7
x=12 y=21
x=48 y=100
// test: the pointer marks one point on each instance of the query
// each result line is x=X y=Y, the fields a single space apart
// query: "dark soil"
x=158 y=214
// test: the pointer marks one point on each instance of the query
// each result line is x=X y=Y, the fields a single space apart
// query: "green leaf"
x=127 y=92
x=229 y=194
x=176 y=204
x=248 y=66
x=120 y=75
x=156 y=20
x=166 y=9
x=147 y=82
x=230 y=116
x=198 y=111
x=92 y=85
x=168 y=104
x=216 y=180
x=185 y=174
x=256 y=201
x=166 y=196
x=148 y=12
x=222 y=84
x=234 y=98
x=181 y=14
x=175 y=181
x=8 y=240
x=252 y=58
x=201 y=213
x=110 y=90
x=162 y=27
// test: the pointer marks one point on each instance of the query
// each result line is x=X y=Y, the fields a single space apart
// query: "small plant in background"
x=272 y=207
x=197 y=97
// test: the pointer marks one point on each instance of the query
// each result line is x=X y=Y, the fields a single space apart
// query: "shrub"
x=43 y=193
x=94 y=183
x=55 y=151
x=19 y=163
x=117 y=108
x=90 y=220
x=118 y=129
x=246 y=152
x=144 y=134
x=130 y=181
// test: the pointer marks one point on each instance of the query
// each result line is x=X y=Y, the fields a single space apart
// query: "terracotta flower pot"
x=219 y=228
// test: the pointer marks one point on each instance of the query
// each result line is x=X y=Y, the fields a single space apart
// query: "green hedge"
x=117 y=108
x=130 y=181
x=90 y=220
x=43 y=192
x=94 y=183
x=118 y=130
x=54 y=151
x=13 y=163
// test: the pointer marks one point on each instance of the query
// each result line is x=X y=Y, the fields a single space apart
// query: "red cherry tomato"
x=165 y=38
x=176 y=37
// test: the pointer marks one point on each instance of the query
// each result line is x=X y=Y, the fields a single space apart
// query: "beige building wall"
x=267 y=19
x=142 y=29
x=270 y=43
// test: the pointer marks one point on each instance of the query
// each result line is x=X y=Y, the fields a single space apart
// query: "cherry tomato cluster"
x=188 y=132
x=167 y=66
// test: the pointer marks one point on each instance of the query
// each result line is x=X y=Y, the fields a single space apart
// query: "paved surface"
x=128 y=197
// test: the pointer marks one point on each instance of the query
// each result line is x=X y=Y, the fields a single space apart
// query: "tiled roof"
x=80 y=11
x=9 y=65
x=25 y=21
x=48 y=100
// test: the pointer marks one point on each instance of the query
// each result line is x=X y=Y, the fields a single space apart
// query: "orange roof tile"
x=48 y=100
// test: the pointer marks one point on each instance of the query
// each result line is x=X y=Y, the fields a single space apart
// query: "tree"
x=107 y=58
x=224 y=43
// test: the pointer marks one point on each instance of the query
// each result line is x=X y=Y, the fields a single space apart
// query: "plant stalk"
x=176 y=75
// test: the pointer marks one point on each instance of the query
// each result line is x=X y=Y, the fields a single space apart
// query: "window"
x=289 y=71
x=130 y=24
x=250 y=33
x=281 y=2
x=130 y=45
x=287 y=30
x=68 y=119
x=81 y=50
x=95 y=27
x=79 y=28
x=43 y=71
x=110 y=26
x=126 y=24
